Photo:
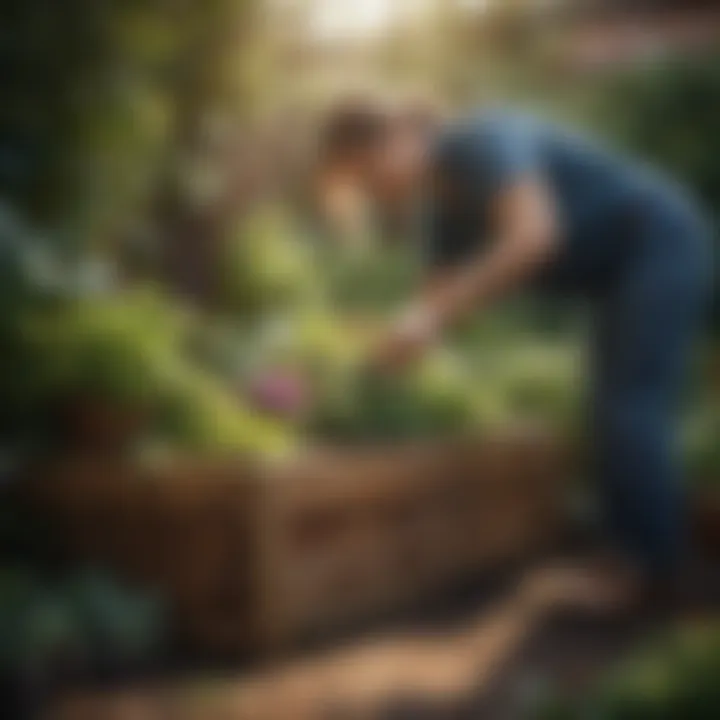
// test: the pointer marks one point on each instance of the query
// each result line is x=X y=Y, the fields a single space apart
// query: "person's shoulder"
x=456 y=135
x=483 y=132
x=505 y=119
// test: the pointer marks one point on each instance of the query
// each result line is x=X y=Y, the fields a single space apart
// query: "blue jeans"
x=647 y=321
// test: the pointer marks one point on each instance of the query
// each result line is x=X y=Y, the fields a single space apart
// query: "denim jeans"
x=647 y=321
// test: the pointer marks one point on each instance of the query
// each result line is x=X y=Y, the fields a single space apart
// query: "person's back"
x=599 y=195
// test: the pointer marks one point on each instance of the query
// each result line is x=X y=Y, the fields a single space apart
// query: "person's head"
x=379 y=149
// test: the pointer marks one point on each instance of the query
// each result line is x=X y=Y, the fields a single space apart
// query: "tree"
x=104 y=100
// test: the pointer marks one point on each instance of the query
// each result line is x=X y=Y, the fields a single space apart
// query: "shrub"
x=669 y=113
x=676 y=677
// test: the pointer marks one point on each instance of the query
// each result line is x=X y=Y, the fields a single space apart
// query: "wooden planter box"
x=265 y=557
x=349 y=533
x=183 y=529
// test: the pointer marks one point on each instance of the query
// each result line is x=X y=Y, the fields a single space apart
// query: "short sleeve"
x=480 y=159
x=498 y=151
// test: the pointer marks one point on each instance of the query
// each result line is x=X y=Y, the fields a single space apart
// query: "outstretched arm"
x=526 y=231
x=526 y=228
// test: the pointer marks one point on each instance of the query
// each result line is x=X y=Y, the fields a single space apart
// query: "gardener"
x=514 y=201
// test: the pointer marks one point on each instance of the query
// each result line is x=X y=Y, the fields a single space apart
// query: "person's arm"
x=505 y=173
x=526 y=231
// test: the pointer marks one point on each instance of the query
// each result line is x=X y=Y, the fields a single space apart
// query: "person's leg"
x=646 y=331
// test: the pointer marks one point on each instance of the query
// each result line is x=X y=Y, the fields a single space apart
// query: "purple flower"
x=280 y=392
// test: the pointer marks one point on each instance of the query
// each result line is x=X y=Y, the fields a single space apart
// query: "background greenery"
x=158 y=253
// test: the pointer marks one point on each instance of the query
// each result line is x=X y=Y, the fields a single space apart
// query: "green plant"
x=69 y=338
x=669 y=113
x=434 y=398
x=266 y=266
x=379 y=278
x=86 y=617
x=702 y=446
x=674 y=677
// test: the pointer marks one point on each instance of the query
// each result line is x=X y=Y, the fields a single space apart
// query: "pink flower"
x=279 y=392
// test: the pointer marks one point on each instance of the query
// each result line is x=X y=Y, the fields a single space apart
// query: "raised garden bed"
x=264 y=557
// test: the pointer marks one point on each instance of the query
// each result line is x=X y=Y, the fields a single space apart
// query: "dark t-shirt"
x=597 y=193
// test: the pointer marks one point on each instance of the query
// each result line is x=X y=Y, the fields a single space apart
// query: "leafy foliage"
x=267 y=266
x=669 y=113
x=86 y=619
x=71 y=339
x=702 y=444
x=674 y=678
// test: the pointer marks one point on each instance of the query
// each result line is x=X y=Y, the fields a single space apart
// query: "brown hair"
x=352 y=126
x=360 y=124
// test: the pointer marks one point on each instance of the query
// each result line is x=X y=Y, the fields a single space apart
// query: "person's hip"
x=648 y=227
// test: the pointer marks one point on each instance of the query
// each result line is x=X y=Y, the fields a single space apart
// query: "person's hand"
x=406 y=341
